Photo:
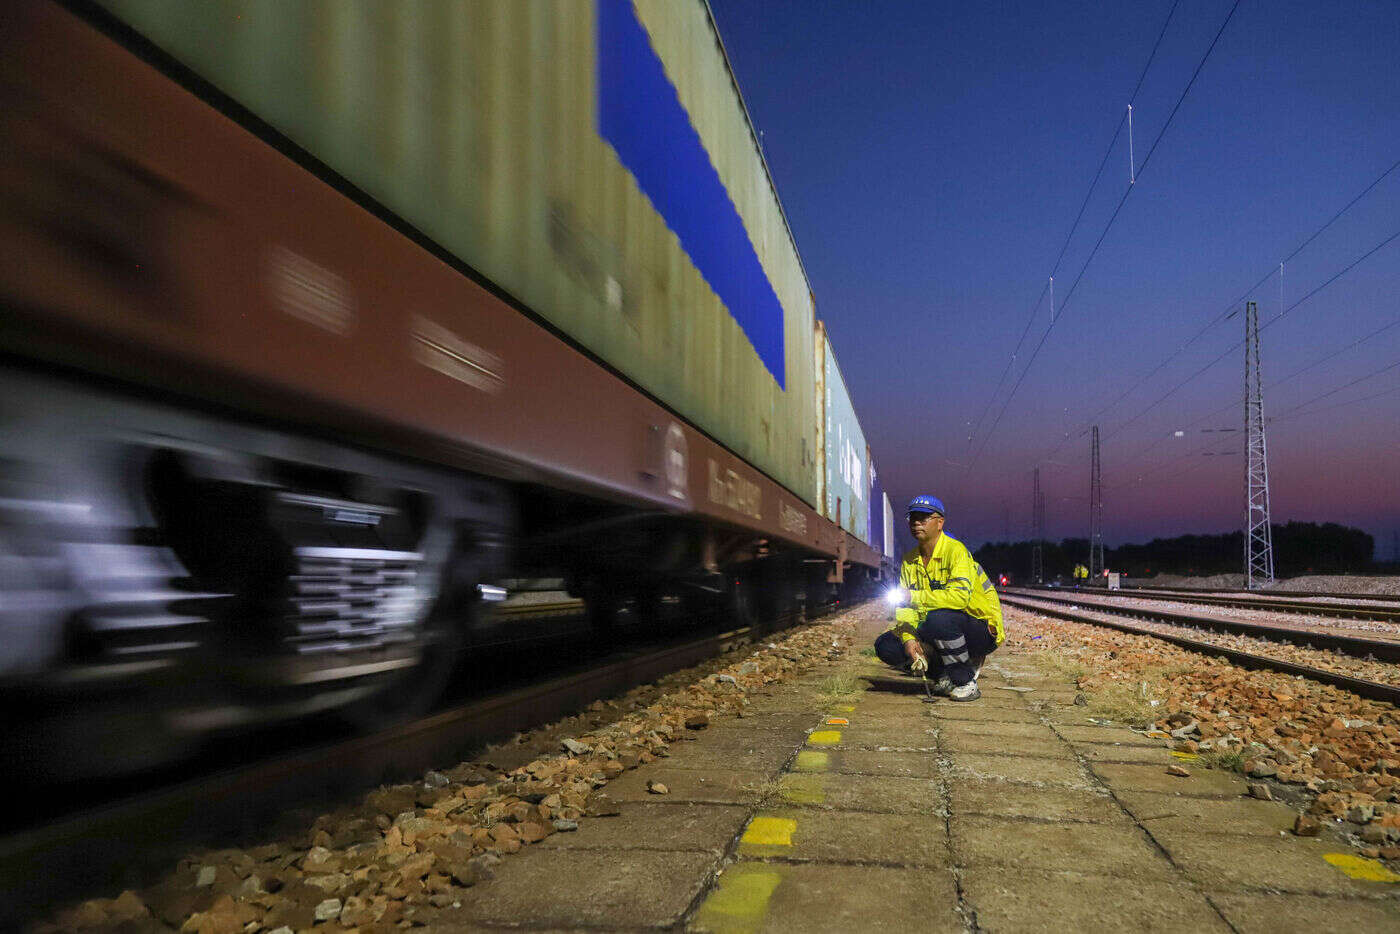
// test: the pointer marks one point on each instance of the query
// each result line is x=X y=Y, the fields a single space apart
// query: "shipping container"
x=891 y=549
x=876 y=521
x=594 y=161
x=846 y=476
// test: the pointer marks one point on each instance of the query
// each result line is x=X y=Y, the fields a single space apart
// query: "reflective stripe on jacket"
x=950 y=580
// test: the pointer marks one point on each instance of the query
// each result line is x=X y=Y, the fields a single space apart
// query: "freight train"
x=321 y=320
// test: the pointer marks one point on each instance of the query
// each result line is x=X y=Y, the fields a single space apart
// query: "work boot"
x=943 y=687
x=965 y=692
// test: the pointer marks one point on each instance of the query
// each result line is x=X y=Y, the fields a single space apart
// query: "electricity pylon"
x=1095 y=514
x=1037 y=531
x=1258 y=535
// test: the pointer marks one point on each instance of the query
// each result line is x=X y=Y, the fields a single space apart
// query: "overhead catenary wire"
x=1229 y=310
x=1297 y=411
x=1287 y=413
x=1272 y=321
x=1277 y=382
x=1293 y=413
x=1074 y=227
x=1064 y=303
x=1332 y=392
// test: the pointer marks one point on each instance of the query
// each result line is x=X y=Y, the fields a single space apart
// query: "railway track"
x=1309 y=604
x=117 y=844
x=1355 y=646
x=1373 y=690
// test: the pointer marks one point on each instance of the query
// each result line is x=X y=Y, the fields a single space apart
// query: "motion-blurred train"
x=321 y=319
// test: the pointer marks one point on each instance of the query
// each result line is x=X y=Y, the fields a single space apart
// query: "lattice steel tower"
x=1258 y=536
x=1037 y=531
x=1095 y=514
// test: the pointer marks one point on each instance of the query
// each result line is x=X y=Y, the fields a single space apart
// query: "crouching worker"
x=947 y=609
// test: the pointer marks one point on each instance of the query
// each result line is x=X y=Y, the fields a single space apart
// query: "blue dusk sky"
x=932 y=159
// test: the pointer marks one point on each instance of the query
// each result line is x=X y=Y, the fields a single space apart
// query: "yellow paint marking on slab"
x=739 y=902
x=770 y=831
x=1190 y=756
x=844 y=709
x=809 y=760
x=804 y=789
x=837 y=721
x=824 y=738
x=1358 y=867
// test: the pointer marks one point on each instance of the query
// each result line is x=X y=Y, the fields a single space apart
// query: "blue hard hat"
x=926 y=504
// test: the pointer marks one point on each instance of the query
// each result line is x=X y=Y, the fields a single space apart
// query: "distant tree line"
x=1299 y=548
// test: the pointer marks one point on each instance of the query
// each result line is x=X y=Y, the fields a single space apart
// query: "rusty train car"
x=319 y=320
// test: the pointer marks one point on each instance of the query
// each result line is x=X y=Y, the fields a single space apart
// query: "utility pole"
x=1095 y=514
x=1037 y=531
x=1258 y=535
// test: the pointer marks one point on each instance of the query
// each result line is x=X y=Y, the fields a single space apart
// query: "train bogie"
x=311 y=339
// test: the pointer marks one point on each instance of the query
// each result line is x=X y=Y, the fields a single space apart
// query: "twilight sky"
x=932 y=157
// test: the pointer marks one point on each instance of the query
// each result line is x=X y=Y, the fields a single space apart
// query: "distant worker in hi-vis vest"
x=946 y=608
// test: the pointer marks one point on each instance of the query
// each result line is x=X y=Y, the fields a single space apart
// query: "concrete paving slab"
x=652 y=825
x=1019 y=769
x=1005 y=799
x=798 y=722
x=725 y=754
x=909 y=713
x=1308 y=914
x=916 y=734
x=1123 y=752
x=566 y=888
x=874 y=700
x=1083 y=733
x=1202 y=782
x=1096 y=849
x=976 y=710
x=1284 y=864
x=1218 y=815
x=999 y=700
x=1023 y=899
x=876 y=793
x=1052 y=748
x=902 y=764
x=847 y=836
x=1031 y=730
x=786 y=703
x=705 y=786
x=773 y=898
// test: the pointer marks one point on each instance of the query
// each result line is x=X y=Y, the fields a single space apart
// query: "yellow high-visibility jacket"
x=950 y=580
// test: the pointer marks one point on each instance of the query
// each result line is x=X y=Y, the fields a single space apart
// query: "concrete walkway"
x=880 y=812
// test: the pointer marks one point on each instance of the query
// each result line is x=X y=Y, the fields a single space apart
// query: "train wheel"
x=413 y=693
x=603 y=605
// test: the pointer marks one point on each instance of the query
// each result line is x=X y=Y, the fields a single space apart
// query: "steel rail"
x=1250 y=602
x=1270 y=592
x=1355 y=646
x=1372 y=690
x=111 y=846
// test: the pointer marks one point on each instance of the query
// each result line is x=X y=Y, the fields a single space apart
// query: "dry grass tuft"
x=838 y=688
x=764 y=794
x=1059 y=666
x=1225 y=761
x=1129 y=703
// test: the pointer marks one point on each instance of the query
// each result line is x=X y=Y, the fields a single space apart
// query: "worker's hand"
x=917 y=663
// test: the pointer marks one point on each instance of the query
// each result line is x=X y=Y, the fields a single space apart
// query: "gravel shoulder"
x=405 y=854
x=1334 y=755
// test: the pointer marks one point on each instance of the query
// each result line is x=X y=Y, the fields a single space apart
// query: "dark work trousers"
x=957 y=639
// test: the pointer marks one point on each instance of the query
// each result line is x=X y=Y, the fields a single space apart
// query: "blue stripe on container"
x=642 y=118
